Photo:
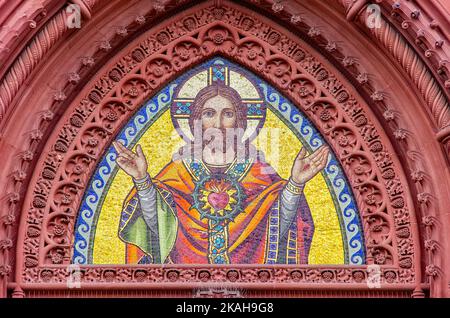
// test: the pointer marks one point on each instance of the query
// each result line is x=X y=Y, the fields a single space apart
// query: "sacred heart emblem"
x=218 y=201
x=218 y=198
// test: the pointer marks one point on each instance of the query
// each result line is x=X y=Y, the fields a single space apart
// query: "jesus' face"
x=217 y=122
x=217 y=107
x=218 y=116
x=218 y=112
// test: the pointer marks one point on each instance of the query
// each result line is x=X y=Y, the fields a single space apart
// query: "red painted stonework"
x=378 y=96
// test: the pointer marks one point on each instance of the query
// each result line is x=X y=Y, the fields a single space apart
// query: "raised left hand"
x=306 y=167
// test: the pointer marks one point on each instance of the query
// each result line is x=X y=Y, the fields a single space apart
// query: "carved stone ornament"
x=285 y=62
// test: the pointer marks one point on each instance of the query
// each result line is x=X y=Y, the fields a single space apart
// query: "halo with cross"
x=220 y=73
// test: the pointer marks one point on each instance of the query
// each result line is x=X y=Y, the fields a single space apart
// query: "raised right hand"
x=134 y=164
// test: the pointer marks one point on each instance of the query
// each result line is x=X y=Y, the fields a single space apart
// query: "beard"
x=218 y=146
x=222 y=145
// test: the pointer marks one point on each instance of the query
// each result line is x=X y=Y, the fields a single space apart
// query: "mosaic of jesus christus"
x=215 y=200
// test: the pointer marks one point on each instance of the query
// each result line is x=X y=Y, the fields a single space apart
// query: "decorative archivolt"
x=92 y=120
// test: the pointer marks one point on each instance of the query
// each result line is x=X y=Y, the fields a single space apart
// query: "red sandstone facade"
x=386 y=88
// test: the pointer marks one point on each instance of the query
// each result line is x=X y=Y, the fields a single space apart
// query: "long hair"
x=214 y=90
